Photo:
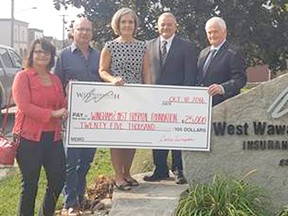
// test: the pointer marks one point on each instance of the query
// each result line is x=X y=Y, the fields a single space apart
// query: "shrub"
x=284 y=211
x=225 y=196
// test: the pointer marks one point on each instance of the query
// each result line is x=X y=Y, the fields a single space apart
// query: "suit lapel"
x=171 y=51
x=219 y=53
x=202 y=60
x=157 y=58
x=215 y=59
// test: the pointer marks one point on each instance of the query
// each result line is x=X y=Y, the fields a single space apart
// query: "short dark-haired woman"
x=41 y=104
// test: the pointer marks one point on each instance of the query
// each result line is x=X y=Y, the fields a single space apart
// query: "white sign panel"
x=138 y=116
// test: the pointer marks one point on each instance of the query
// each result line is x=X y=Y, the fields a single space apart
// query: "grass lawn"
x=10 y=186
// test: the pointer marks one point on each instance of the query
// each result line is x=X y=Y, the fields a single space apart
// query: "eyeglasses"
x=84 y=30
x=39 y=52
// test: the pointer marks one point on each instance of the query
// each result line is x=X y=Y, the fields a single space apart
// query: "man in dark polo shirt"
x=79 y=62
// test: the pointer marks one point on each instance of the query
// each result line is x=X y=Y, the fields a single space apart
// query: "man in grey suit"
x=221 y=67
x=173 y=61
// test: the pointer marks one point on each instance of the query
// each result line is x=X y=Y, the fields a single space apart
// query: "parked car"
x=10 y=64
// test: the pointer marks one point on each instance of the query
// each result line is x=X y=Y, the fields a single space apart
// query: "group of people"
x=40 y=97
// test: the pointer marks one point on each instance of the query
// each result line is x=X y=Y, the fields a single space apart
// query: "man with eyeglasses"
x=79 y=61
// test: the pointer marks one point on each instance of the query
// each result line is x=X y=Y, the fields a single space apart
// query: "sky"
x=44 y=17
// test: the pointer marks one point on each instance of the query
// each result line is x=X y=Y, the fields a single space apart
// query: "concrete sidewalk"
x=147 y=199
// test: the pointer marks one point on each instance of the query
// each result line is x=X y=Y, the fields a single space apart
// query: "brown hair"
x=45 y=45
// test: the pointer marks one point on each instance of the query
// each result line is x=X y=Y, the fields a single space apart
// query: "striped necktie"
x=163 y=51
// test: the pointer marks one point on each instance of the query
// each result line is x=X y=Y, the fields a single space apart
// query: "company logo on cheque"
x=95 y=96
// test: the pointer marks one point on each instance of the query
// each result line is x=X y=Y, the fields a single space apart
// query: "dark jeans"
x=30 y=157
x=77 y=166
x=160 y=161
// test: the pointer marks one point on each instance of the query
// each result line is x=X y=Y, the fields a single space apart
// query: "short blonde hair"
x=117 y=17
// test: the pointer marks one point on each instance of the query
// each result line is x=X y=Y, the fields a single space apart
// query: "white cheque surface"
x=138 y=116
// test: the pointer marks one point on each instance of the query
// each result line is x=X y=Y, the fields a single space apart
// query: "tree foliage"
x=260 y=27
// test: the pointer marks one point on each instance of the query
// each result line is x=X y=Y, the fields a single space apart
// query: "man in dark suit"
x=221 y=67
x=173 y=61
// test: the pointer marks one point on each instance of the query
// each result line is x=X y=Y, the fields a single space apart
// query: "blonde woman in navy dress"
x=124 y=60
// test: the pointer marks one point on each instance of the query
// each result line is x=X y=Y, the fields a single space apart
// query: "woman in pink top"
x=41 y=104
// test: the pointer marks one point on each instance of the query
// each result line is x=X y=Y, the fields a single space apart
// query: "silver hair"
x=167 y=14
x=217 y=20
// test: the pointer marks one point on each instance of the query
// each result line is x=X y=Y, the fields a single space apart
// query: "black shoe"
x=154 y=177
x=179 y=177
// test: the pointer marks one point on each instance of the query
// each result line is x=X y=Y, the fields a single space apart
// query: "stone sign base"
x=248 y=132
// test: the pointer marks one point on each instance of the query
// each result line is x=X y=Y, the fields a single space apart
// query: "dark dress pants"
x=31 y=156
x=160 y=162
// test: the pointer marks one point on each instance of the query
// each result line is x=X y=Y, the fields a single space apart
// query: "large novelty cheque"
x=138 y=116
